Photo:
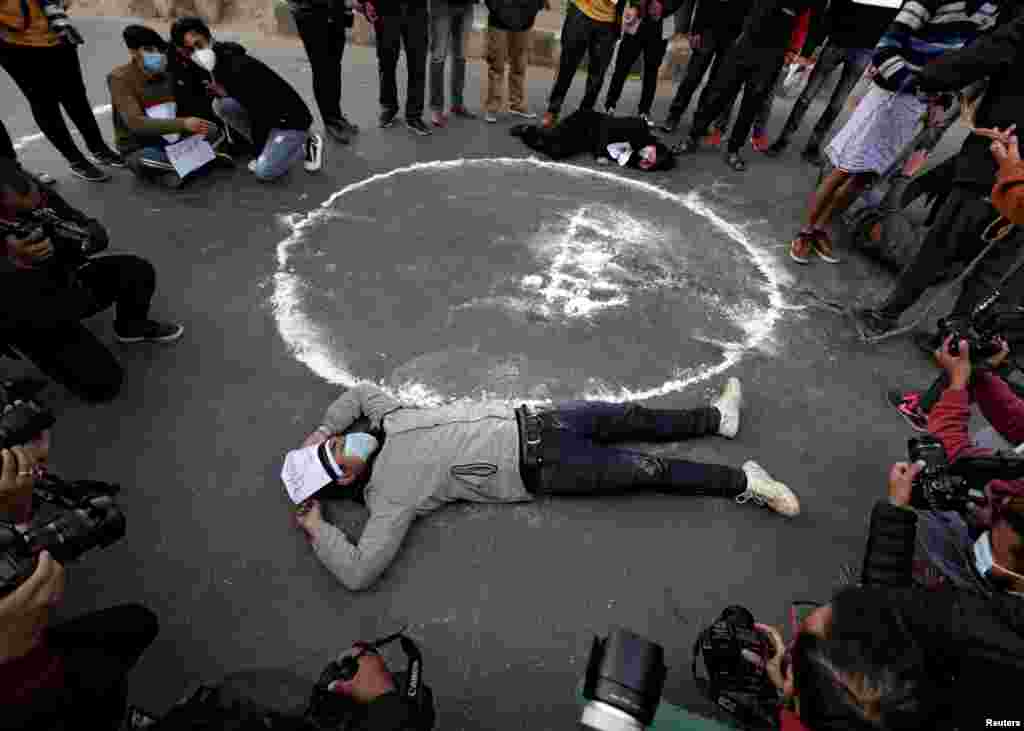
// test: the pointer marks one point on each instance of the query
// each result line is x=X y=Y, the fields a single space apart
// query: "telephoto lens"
x=625 y=677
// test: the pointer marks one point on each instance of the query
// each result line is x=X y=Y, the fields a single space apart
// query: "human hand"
x=197 y=126
x=17 y=478
x=695 y=41
x=901 y=482
x=957 y=367
x=995 y=133
x=29 y=251
x=772 y=665
x=372 y=680
x=789 y=57
x=315 y=438
x=999 y=358
x=309 y=518
x=24 y=613
x=370 y=11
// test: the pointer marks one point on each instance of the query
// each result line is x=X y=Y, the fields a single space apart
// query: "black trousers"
x=576 y=441
x=757 y=68
x=956 y=235
x=322 y=31
x=583 y=36
x=710 y=54
x=69 y=353
x=98 y=650
x=51 y=79
x=410 y=27
x=647 y=41
x=6 y=144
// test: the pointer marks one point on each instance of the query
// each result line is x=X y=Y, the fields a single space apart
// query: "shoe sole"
x=107 y=164
x=799 y=260
x=419 y=133
x=83 y=176
x=134 y=341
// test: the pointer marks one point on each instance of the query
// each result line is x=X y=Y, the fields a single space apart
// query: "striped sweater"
x=922 y=31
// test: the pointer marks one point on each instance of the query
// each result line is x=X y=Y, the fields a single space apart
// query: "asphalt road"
x=504 y=600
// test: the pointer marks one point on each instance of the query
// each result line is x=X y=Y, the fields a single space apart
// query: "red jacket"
x=949 y=419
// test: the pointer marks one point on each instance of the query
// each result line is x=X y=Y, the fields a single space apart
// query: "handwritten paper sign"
x=190 y=154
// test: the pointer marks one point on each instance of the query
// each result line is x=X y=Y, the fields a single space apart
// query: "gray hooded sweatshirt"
x=430 y=457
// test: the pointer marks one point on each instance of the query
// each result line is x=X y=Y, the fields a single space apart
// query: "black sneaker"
x=777 y=148
x=873 y=322
x=87 y=171
x=348 y=124
x=338 y=132
x=416 y=126
x=811 y=154
x=687 y=146
x=106 y=157
x=150 y=331
x=388 y=117
x=908 y=404
x=670 y=125
x=136 y=718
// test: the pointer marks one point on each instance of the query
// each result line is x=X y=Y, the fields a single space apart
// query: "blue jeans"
x=854 y=62
x=578 y=458
x=448 y=31
x=283 y=149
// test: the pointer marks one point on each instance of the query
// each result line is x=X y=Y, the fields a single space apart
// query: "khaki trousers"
x=506 y=48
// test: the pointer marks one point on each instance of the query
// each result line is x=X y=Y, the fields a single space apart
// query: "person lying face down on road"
x=415 y=460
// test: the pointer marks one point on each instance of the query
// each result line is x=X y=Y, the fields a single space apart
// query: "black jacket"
x=978 y=640
x=721 y=18
x=1000 y=57
x=50 y=295
x=190 y=94
x=769 y=24
x=390 y=712
x=857 y=25
x=272 y=103
x=514 y=15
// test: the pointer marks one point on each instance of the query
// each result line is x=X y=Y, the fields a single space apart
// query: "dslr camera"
x=330 y=710
x=987 y=322
x=942 y=486
x=73 y=241
x=71 y=517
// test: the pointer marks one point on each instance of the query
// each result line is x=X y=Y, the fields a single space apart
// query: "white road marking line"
x=27 y=140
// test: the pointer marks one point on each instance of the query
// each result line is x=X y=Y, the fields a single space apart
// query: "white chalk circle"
x=518 y=279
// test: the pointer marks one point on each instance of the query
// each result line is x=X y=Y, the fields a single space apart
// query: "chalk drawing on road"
x=593 y=260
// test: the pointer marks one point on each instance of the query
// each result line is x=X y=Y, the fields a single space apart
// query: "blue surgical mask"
x=154 y=63
x=361 y=445
x=983 y=554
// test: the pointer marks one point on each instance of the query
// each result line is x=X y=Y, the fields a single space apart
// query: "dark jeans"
x=98 y=650
x=758 y=69
x=583 y=36
x=6 y=144
x=69 y=353
x=854 y=61
x=322 y=30
x=710 y=54
x=577 y=435
x=956 y=235
x=647 y=41
x=51 y=79
x=410 y=27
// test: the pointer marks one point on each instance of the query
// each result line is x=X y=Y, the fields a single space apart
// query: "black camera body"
x=82 y=515
x=73 y=241
x=935 y=488
x=733 y=683
x=624 y=680
x=22 y=418
x=987 y=322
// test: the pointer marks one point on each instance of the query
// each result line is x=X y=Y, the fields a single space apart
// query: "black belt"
x=530 y=452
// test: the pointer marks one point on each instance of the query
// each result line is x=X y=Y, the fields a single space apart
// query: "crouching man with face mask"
x=253 y=101
x=145 y=113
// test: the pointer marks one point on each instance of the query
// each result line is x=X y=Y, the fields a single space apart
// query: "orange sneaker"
x=823 y=247
x=801 y=248
x=550 y=120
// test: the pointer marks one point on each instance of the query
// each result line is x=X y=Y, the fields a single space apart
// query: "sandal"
x=736 y=162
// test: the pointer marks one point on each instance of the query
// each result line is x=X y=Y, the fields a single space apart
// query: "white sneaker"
x=729 y=405
x=764 y=490
x=491 y=118
x=314 y=154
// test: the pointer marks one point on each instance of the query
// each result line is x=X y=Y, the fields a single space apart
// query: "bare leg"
x=824 y=195
x=841 y=199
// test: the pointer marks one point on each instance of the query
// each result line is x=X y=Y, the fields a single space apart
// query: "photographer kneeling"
x=51 y=284
x=57 y=677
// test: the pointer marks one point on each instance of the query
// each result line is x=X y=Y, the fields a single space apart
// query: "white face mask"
x=205 y=58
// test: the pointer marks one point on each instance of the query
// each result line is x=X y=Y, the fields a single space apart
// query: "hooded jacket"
x=999 y=57
x=272 y=103
x=429 y=458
